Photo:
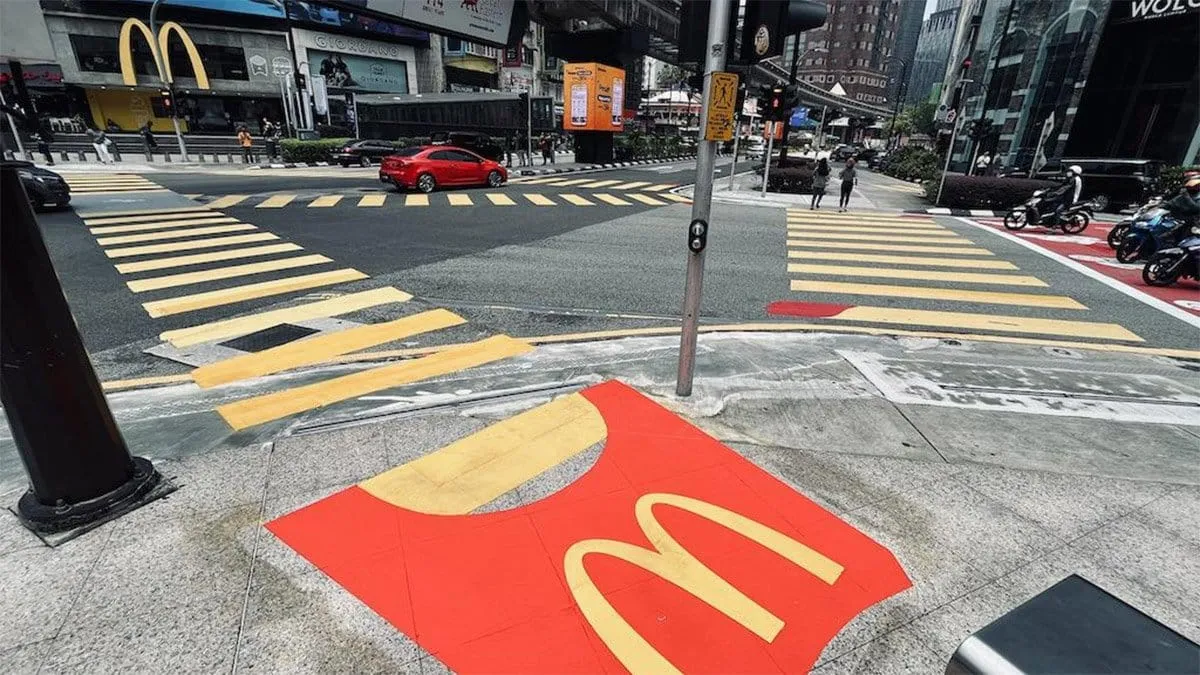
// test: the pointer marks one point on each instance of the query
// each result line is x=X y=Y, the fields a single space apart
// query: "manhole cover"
x=269 y=337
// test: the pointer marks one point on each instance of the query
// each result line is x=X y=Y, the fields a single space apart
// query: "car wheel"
x=426 y=183
x=364 y=161
x=494 y=179
x=37 y=202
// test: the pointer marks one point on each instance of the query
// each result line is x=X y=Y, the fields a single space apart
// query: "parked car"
x=429 y=167
x=878 y=161
x=1122 y=181
x=43 y=187
x=843 y=152
x=363 y=153
x=477 y=142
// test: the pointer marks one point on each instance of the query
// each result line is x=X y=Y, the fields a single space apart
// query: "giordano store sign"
x=158 y=47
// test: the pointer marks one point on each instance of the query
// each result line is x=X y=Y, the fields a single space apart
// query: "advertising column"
x=593 y=96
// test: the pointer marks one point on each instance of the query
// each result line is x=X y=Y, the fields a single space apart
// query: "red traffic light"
x=966 y=63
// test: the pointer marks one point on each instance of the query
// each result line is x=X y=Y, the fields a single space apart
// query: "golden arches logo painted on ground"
x=158 y=48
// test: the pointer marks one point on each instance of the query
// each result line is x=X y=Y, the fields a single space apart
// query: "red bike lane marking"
x=1090 y=248
x=490 y=592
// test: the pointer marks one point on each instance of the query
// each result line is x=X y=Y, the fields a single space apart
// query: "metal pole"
x=946 y=167
x=787 y=127
x=169 y=84
x=529 y=125
x=714 y=61
x=737 y=136
x=899 y=99
x=821 y=131
x=80 y=471
x=767 y=157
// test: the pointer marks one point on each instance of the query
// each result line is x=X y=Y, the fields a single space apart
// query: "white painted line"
x=1144 y=298
x=940 y=211
x=981 y=213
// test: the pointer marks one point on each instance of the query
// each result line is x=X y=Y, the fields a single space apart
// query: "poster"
x=597 y=93
x=359 y=73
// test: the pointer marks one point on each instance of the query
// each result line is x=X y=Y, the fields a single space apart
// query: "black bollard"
x=80 y=472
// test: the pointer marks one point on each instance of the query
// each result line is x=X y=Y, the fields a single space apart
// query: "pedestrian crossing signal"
x=697 y=235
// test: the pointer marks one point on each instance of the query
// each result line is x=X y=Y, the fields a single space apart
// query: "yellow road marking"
x=904 y=260
x=275 y=202
x=500 y=199
x=921 y=275
x=884 y=232
x=227 y=201
x=100 y=217
x=259 y=409
x=630 y=186
x=201 y=258
x=373 y=200
x=460 y=200
x=885 y=246
x=540 y=200
x=645 y=199
x=227 y=328
x=540 y=181
x=143 y=227
x=228 y=296
x=865 y=223
x=577 y=200
x=173 y=234
x=838 y=236
x=615 y=201
x=87 y=191
x=1008 y=324
x=925 y=293
x=573 y=181
x=416 y=200
x=186 y=278
x=150 y=218
x=189 y=245
x=675 y=198
x=464 y=475
x=658 y=188
x=321 y=348
x=862 y=215
x=325 y=201
x=599 y=184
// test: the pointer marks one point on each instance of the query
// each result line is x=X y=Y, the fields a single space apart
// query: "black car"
x=44 y=188
x=1122 y=181
x=363 y=153
x=478 y=143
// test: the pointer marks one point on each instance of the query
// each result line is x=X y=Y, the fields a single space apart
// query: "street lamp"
x=900 y=94
x=158 y=62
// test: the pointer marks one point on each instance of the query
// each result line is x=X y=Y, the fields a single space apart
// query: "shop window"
x=453 y=45
x=98 y=54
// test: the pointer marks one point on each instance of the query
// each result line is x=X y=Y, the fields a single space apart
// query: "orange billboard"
x=594 y=95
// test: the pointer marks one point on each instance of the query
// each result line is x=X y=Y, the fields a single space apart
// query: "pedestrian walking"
x=508 y=149
x=849 y=179
x=44 y=137
x=820 y=180
x=247 y=143
x=148 y=141
x=270 y=134
x=100 y=143
x=523 y=157
x=982 y=164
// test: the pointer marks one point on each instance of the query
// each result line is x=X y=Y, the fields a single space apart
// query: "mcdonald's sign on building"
x=158 y=48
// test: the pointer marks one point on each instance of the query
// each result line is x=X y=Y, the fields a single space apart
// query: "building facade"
x=852 y=49
x=933 y=51
x=908 y=32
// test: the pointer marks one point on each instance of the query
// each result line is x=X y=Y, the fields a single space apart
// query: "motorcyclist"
x=1065 y=193
x=1185 y=206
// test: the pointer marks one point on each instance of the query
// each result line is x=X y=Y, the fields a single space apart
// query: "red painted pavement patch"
x=489 y=592
x=1090 y=248
x=810 y=310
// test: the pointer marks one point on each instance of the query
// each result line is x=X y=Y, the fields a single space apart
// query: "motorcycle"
x=1121 y=228
x=1153 y=231
x=1171 y=264
x=1074 y=218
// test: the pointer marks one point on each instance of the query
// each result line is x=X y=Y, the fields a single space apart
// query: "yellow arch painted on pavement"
x=125 y=49
x=164 y=36
x=159 y=50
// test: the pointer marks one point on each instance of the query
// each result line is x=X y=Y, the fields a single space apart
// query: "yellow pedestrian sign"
x=721 y=115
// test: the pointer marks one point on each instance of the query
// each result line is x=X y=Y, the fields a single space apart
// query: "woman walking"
x=820 y=180
x=849 y=179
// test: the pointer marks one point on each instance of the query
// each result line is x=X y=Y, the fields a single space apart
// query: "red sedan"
x=432 y=166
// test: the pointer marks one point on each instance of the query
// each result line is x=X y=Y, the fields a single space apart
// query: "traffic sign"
x=951 y=115
x=721 y=104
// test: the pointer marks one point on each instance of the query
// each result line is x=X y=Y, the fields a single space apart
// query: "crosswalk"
x=179 y=261
x=590 y=184
x=911 y=271
x=108 y=183
x=446 y=199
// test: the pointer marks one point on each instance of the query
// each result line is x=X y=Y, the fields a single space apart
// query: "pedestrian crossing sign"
x=721 y=103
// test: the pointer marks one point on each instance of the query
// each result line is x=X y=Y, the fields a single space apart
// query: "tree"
x=922 y=117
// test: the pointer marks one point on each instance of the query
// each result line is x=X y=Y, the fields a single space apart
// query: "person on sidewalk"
x=100 y=143
x=849 y=179
x=820 y=180
x=44 y=137
x=522 y=149
x=270 y=134
x=148 y=140
x=247 y=143
x=982 y=164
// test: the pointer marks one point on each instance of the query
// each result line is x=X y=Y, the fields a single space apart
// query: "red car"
x=432 y=166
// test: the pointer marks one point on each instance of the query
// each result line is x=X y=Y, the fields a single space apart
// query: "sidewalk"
x=989 y=472
x=874 y=192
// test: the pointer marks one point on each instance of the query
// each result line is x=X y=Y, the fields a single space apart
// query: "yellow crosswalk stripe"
x=904 y=260
x=926 y=293
x=183 y=214
x=275 y=202
x=645 y=199
x=372 y=200
x=116 y=190
x=259 y=409
x=986 y=322
x=865 y=223
x=321 y=348
x=610 y=199
x=174 y=234
x=838 y=236
x=187 y=278
x=630 y=186
x=599 y=184
x=227 y=296
x=675 y=198
x=577 y=200
x=325 y=201
x=573 y=181
x=100 y=217
x=227 y=201
x=540 y=181
x=242 y=325
x=188 y=245
x=459 y=200
x=921 y=275
x=500 y=199
x=201 y=258
x=416 y=200
x=162 y=225
x=539 y=200
x=658 y=188
x=882 y=231
x=868 y=215
x=886 y=246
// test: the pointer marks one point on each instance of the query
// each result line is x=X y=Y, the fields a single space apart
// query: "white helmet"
x=1075 y=169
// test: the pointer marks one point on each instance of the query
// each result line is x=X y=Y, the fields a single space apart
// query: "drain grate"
x=269 y=337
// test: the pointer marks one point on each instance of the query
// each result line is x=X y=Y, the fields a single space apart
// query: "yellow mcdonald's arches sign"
x=159 y=49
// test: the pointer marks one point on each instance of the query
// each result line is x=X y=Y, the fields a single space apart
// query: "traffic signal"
x=696 y=82
x=791 y=97
x=771 y=102
x=301 y=80
x=168 y=103
x=697 y=235
x=767 y=22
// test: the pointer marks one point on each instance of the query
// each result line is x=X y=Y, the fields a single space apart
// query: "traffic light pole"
x=714 y=61
x=787 y=127
x=158 y=58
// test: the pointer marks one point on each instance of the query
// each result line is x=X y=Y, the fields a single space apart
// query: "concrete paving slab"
x=13 y=535
x=26 y=659
x=308 y=462
x=899 y=652
x=1177 y=513
x=947 y=626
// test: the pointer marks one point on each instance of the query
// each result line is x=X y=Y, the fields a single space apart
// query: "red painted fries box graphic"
x=672 y=553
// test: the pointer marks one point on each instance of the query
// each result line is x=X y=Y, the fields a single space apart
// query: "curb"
x=965 y=213
x=287 y=165
x=594 y=167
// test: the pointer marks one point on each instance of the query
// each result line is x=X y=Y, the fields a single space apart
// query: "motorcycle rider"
x=1065 y=193
x=1185 y=206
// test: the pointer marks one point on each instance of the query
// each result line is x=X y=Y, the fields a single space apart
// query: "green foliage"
x=914 y=163
x=918 y=119
x=636 y=145
x=310 y=151
x=1171 y=179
